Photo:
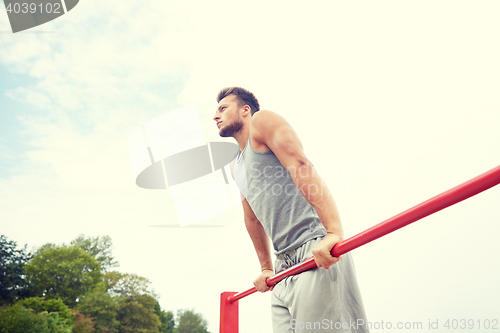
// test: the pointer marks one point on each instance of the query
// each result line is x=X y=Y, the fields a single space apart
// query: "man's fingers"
x=263 y=287
x=326 y=262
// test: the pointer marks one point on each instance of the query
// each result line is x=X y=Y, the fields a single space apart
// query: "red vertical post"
x=228 y=313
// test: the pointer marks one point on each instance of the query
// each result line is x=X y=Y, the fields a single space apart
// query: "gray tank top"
x=287 y=217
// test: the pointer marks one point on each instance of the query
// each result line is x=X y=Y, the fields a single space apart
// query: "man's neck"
x=242 y=137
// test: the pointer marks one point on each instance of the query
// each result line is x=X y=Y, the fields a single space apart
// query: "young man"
x=285 y=199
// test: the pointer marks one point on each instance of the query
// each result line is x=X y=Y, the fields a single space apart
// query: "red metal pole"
x=458 y=193
x=228 y=314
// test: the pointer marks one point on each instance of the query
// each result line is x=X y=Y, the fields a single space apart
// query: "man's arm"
x=274 y=131
x=261 y=243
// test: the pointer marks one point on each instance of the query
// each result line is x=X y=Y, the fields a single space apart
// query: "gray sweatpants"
x=317 y=300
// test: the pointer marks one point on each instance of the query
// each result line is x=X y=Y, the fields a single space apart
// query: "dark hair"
x=244 y=97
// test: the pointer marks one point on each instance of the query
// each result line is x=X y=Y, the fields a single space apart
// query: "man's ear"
x=247 y=110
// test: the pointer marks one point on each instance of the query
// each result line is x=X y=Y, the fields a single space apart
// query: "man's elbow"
x=300 y=167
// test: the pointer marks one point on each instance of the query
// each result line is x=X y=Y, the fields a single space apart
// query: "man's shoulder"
x=263 y=122
x=263 y=115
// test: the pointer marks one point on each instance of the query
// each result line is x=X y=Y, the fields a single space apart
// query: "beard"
x=231 y=129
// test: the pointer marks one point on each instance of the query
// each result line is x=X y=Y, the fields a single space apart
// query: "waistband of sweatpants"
x=292 y=252
x=293 y=256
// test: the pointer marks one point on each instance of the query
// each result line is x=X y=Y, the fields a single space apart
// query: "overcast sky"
x=394 y=102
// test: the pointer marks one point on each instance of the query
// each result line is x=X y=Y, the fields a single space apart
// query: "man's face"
x=227 y=117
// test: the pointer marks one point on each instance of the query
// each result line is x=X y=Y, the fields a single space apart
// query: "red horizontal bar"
x=456 y=194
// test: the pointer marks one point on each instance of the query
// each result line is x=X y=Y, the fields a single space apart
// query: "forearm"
x=315 y=191
x=260 y=242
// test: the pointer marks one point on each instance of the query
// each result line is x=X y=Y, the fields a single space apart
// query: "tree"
x=137 y=315
x=12 y=275
x=124 y=284
x=18 y=319
x=39 y=304
x=63 y=272
x=56 y=324
x=83 y=323
x=100 y=248
x=190 y=322
x=166 y=319
x=102 y=308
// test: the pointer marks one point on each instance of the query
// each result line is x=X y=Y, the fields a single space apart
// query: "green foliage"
x=72 y=276
x=34 y=303
x=190 y=322
x=98 y=247
x=137 y=315
x=39 y=304
x=56 y=324
x=18 y=319
x=82 y=323
x=166 y=319
x=123 y=284
x=12 y=261
x=102 y=308
x=63 y=272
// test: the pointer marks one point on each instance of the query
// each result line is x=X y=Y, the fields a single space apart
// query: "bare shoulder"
x=264 y=122
x=272 y=131
x=263 y=116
